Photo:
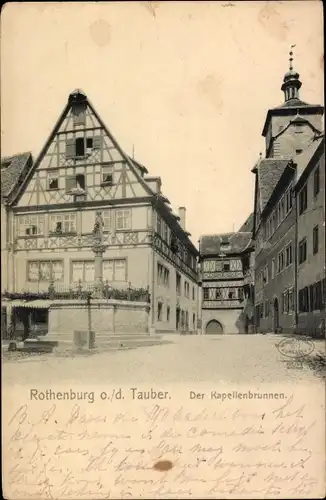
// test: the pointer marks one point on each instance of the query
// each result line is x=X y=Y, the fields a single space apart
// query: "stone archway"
x=213 y=327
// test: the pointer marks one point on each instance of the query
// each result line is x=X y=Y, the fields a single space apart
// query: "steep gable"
x=82 y=161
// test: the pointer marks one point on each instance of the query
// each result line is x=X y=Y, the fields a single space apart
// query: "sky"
x=186 y=85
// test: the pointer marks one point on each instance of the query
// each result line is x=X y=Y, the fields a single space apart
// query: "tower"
x=290 y=127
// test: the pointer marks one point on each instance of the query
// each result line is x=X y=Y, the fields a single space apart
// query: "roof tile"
x=211 y=244
x=11 y=170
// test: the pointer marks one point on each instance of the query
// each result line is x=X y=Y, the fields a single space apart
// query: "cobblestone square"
x=223 y=359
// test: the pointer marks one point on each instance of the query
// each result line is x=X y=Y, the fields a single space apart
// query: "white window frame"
x=107 y=170
x=107 y=216
x=53 y=175
x=114 y=262
x=41 y=278
x=67 y=223
x=34 y=223
x=124 y=216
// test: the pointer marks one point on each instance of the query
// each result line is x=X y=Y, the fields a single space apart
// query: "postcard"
x=163 y=283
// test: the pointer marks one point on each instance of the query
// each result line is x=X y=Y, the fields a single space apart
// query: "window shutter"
x=79 y=114
x=97 y=141
x=70 y=183
x=70 y=148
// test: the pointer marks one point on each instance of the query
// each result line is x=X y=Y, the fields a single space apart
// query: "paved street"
x=230 y=359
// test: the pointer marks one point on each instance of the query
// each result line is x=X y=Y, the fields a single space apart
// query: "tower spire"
x=291 y=82
x=291 y=57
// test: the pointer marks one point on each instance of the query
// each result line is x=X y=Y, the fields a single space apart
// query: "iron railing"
x=84 y=291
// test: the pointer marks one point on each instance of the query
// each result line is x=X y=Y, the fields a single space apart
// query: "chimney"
x=182 y=215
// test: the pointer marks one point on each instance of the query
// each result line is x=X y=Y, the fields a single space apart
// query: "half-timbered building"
x=222 y=278
x=83 y=184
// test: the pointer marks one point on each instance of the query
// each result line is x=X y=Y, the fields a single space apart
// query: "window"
x=231 y=294
x=63 y=223
x=53 y=180
x=79 y=114
x=193 y=293
x=80 y=146
x=186 y=289
x=315 y=239
x=75 y=182
x=123 y=219
x=107 y=220
x=168 y=313
x=218 y=294
x=288 y=200
x=83 y=271
x=115 y=270
x=282 y=209
x=159 y=311
x=265 y=275
x=273 y=268
x=304 y=299
x=298 y=128
x=302 y=250
x=266 y=308
x=291 y=303
x=206 y=293
x=240 y=294
x=163 y=275
x=178 y=283
x=303 y=199
x=226 y=266
x=288 y=255
x=30 y=225
x=45 y=270
x=280 y=262
x=316 y=181
x=107 y=174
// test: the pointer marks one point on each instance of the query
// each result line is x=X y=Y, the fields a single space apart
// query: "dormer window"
x=80 y=147
x=107 y=175
x=75 y=184
x=53 y=180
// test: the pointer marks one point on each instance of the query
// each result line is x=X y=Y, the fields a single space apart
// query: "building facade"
x=222 y=279
x=85 y=214
x=291 y=132
x=310 y=193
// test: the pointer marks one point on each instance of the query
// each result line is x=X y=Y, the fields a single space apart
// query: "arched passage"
x=213 y=327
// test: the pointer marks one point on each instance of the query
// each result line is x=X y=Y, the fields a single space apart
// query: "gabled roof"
x=269 y=172
x=226 y=243
x=297 y=119
x=289 y=108
x=303 y=159
x=12 y=169
x=248 y=225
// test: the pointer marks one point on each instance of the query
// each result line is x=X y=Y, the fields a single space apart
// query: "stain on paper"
x=151 y=7
x=163 y=465
x=210 y=86
x=100 y=32
x=272 y=21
